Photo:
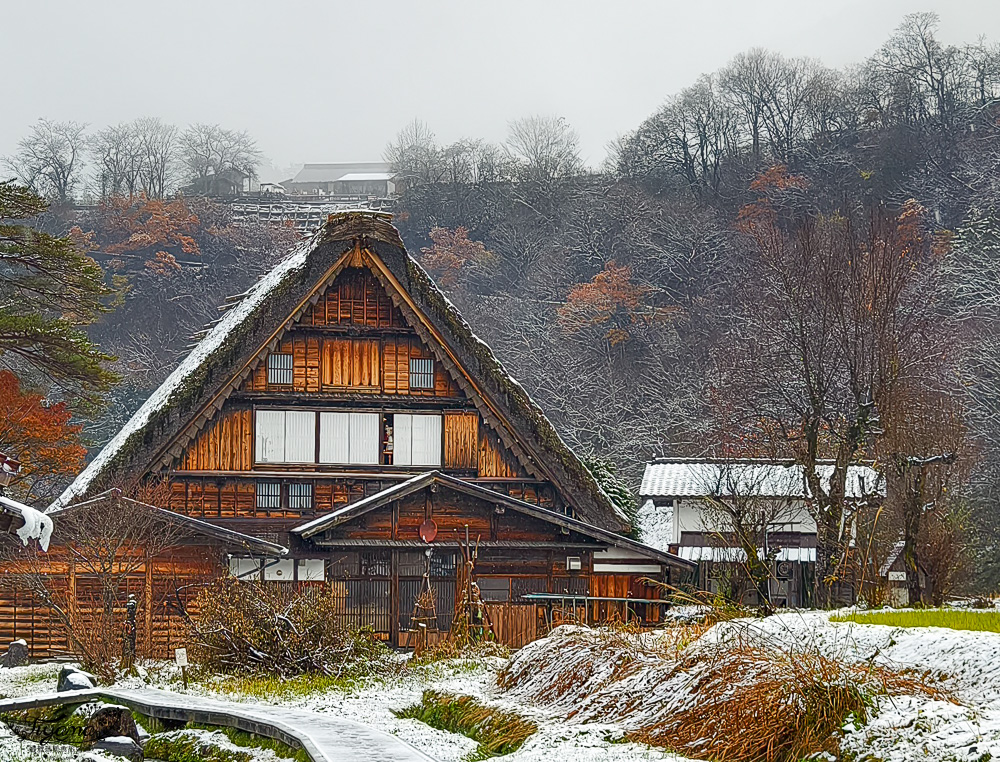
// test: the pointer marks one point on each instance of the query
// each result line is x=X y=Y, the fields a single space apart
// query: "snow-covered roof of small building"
x=706 y=477
x=332 y=172
x=364 y=176
x=8 y=465
x=36 y=525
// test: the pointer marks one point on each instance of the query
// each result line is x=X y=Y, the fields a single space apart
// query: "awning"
x=736 y=555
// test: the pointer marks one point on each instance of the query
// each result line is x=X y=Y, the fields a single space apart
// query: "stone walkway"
x=324 y=737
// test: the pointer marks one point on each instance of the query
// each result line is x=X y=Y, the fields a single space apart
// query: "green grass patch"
x=50 y=724
x=264 y=686
x=241 y=738
x=497 y=732
x=954 y=619
x=180 y=746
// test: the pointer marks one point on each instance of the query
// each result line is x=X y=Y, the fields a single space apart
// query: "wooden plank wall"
x=160 y=591
x=226 y=444
x=355 y=298
x=514 y=626
x=461 y=440
x=494 y=459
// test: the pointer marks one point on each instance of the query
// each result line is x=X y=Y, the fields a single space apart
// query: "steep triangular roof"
x=190 y=396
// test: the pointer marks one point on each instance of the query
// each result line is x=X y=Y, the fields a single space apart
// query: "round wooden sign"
x=428 y=530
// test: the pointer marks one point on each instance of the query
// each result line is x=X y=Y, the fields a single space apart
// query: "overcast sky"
x=334 y=81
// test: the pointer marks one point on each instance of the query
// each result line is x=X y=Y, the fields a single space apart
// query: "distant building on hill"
x=364 y=178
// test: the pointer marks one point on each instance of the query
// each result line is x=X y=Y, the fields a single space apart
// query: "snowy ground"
x=904 y=728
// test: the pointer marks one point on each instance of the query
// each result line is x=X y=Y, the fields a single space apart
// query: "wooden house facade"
x=342 y=409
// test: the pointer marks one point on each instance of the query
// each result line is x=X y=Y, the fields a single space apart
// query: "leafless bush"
x=246 y=627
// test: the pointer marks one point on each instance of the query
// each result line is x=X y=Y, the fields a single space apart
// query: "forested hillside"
x=711 y=290
x=630 y=302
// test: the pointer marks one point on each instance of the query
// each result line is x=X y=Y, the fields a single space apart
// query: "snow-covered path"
x=325 y=737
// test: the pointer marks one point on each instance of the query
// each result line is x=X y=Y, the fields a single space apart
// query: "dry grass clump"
x=255 y=628
x=496 y=731
x=449 y=648
x=741 y=698
x=757 y=705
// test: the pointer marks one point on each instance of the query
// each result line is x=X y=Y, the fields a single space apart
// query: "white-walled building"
x=686 y=505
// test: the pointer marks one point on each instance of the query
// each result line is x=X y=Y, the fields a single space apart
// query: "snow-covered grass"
x=207 y=745
x=954 y=619
x=497 y=731
x=618 y=676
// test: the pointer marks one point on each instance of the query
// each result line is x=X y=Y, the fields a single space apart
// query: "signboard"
x=897 y=576
x=181 y=657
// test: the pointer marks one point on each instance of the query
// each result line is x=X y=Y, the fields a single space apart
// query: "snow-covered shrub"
x=726 y=699
x=253 y=627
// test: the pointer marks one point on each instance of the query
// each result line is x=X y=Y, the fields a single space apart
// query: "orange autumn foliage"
x=39 y=435
x=154 y=230
x=611 y=298
x=453 y=251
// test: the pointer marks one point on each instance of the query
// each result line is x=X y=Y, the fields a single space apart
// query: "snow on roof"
x=361 y=176
x=161 y=397
x=655 y=524
x=692 y=477
x=8 y=465
x=332 y=172
x=37 y=526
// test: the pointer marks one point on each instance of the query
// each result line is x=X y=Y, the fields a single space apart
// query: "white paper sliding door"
x=349 y=438
x=300 y=437
x=416 y=440
x=334 y=438
x=270 y=436
x=364 y=438
x=402 y=439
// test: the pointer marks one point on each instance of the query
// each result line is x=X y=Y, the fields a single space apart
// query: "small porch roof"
x=227 y=537
x=421 y=481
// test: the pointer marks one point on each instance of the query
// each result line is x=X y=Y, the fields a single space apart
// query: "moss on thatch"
x=140 y=452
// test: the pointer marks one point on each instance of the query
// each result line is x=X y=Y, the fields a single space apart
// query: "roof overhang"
x=418 y=483
x=226 y=537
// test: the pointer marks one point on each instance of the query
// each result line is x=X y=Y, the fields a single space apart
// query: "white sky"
x=317 y=80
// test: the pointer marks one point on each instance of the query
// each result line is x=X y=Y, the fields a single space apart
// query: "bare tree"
x=415 y=155
x=929 y=79
x=216 y=157
x=48 y=159
x=118 y=158
x=842 y=306
x=746 y=502
x=748 y=81
x=547 y=147
x=105 y=545
x=158 y=145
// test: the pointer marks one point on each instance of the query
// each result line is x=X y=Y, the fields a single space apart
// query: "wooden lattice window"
x=300 y=496
x=421 y=373
x=269 y=495
x=279 y=369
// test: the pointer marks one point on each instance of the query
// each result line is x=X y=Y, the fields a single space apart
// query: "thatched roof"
x=161 y=428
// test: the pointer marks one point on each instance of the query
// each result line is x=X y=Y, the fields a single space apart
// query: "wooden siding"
x=225 y=444
x=353 y=364
x=495 y=461
x=165 y=589
x=355 y=298
x=461 y=440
